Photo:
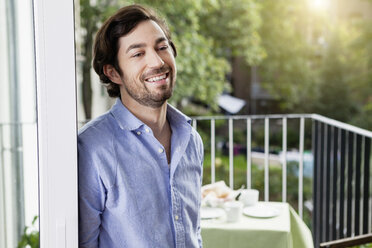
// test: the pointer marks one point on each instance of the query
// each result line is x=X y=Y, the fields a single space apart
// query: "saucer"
x=261 y=211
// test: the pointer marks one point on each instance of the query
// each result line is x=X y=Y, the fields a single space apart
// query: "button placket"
x=178 y=225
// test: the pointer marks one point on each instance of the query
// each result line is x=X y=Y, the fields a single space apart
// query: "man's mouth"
x=157 y=78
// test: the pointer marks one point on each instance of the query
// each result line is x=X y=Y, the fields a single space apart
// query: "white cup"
x=234 y=210
x=249 y=197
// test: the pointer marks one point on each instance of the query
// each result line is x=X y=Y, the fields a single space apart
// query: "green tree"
x=233 y=26
x=91 y=15
x=287 y=70
x=363 y=78
x=338 y=69
x=316 y=63
x=204 y=50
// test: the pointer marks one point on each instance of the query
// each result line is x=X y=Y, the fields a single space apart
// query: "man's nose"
x=154 y=60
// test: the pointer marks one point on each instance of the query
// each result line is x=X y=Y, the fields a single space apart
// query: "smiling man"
x=140 y=164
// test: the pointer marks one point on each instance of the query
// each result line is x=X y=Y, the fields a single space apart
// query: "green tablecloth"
x=286 y=230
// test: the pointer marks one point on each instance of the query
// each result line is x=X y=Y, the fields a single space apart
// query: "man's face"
x=147 y=63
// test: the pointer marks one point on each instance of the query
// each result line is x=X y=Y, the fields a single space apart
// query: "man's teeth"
x=153 y=79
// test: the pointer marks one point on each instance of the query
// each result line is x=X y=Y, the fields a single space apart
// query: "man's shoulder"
x=98 y=130
x=196 y=139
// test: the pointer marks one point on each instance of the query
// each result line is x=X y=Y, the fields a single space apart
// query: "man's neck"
x=155 y=118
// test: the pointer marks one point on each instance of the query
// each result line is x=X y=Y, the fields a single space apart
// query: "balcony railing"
x=341 y=173
x=341 y=169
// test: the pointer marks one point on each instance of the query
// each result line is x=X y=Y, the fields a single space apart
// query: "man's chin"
x=155 y=101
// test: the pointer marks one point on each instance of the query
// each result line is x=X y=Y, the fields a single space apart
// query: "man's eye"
x=163 y=48
x=137 y=55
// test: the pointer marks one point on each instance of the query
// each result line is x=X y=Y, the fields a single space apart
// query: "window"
x=18 y=142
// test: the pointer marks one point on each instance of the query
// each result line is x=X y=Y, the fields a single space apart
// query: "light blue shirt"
x=128 y=194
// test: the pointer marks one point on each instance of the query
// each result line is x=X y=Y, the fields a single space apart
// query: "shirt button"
x=147 y=130
x=176 y=217
x=160 y=150
x=139 y=133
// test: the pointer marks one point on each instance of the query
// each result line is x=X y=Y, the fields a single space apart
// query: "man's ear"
x=112 y=74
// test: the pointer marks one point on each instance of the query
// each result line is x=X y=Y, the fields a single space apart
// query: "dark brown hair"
x=106 y=47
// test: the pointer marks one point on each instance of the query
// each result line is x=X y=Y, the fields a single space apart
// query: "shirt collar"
x=128 y=121
x=125 y=119
x=176 y=117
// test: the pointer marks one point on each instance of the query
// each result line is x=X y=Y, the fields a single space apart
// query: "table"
x=286 y=230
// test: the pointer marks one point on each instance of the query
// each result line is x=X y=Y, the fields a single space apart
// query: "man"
x=140 y=164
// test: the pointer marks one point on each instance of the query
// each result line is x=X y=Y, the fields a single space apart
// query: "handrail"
x=317 y=117
x=348 y=242
x=244 y=117
x=342 y=125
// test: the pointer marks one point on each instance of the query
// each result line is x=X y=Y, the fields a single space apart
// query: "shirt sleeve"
x=92 y=194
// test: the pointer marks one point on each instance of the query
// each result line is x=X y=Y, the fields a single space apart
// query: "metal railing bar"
x=350 y=171
x=213 y=152
x=348 y=242
x=301 y=168
x=321 y=179
x=328 y=182
x=284 y=170
x=231 y=154
x=195 y=124
x=266 y=159
x=358 y=161
x=366 y=181
x=334 y=165
x=341 y=233
x=342 y=125
x=249 y=153
x=315 y=218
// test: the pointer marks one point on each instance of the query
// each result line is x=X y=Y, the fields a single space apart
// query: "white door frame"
x=57 y=129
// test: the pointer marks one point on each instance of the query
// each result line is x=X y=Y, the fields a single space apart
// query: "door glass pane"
x=18 y=140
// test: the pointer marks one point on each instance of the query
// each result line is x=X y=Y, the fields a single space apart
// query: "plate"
x=261 y=211
x=211 y=213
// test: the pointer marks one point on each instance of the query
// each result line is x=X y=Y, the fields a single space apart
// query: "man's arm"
x=92 y=195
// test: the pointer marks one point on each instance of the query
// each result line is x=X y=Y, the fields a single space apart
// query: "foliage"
x=338 y=67
x=306 y=60
x=196 y=78
x=315 y=63
x=233 y=26
x=91 y=15
x=363 y=87
x=286 y=71
x=204 y=51
x=208 y=37
x=30 y=237
x=363 y=246
x=345 y=83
